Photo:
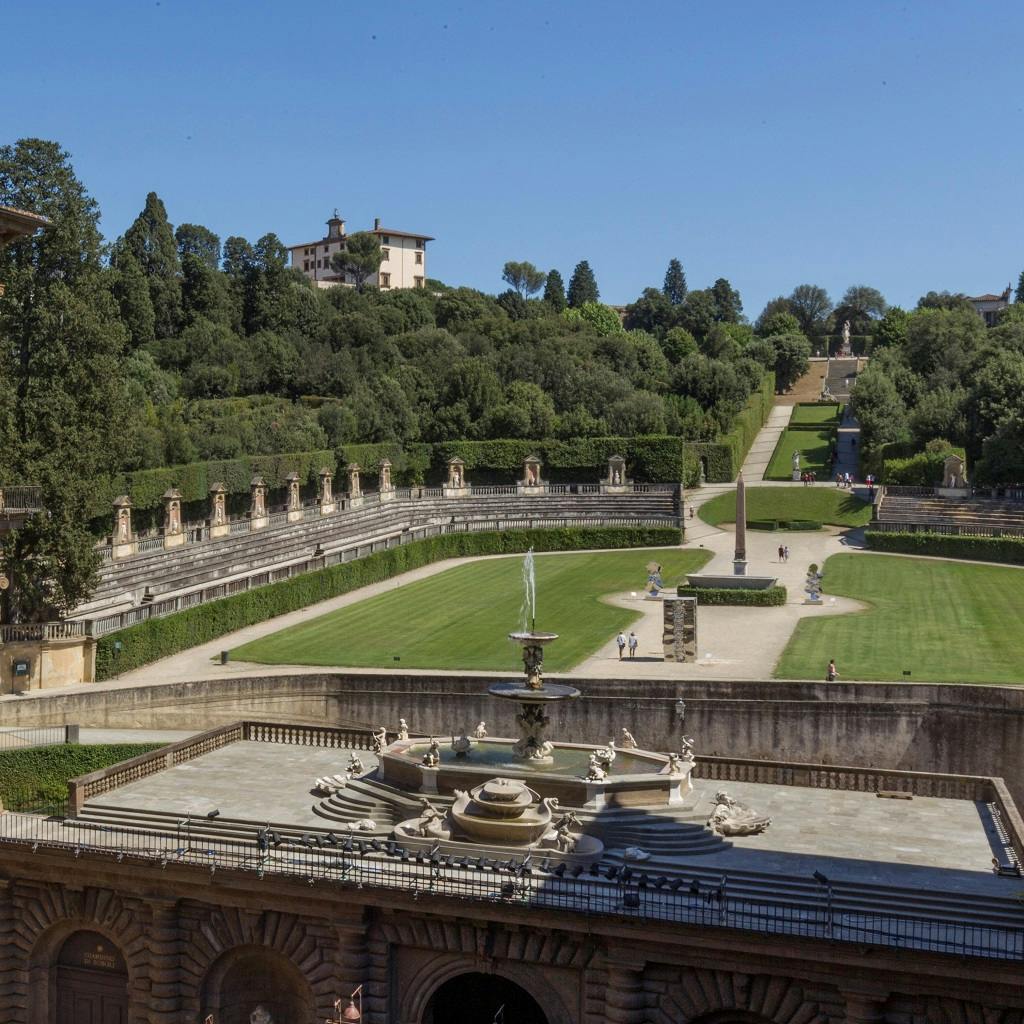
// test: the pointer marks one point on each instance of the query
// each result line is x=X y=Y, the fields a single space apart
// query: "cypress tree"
x=582 y=286
x=151 y=241
x=675 y=283
x=132 y=293
x=554 y=291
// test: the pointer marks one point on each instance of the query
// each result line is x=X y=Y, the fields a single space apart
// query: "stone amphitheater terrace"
x=922 y=509
x=156 y=580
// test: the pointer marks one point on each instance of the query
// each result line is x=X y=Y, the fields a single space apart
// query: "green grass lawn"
x=823 y=503
x=944 y=621
x=460 y=618
x=824 y=414
x=813 y=445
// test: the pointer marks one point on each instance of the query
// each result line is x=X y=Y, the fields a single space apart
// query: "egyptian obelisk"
x=739 y=559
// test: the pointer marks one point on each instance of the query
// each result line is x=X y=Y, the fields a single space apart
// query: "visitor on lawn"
x=832 y=671
x=621 y=641
x=633 y=642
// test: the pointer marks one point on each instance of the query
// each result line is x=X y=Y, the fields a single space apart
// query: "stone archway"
x=249 y=977
x=475 y=998
x=90 y=981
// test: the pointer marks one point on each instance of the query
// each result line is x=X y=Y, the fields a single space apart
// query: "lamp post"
x=352 y=1014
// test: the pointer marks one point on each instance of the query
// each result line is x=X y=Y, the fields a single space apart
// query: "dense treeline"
x=938 y=377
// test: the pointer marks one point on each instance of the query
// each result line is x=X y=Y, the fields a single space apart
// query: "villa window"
x=385 y=254
x=417 y=282
x=419 y=258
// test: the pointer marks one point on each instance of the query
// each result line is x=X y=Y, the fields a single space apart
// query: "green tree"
x=764 y=324
x=62 y=393
x=678 y=343
x=879 y=409
x=554 y=291
x=195 y=240
x=238 y=256
x=524 y=277
x=891 y=330
x=728 y=305
x=360 y=259
x=942 y=343
x=582 y=286
x=939 y=413
x=150 y=239
x=811 y=306
x=132 y=293
x=652 y=312
x=603 y=319
x=863 y=306
x=792 y=359
x=944 y=300
x=1018 y=295
x=674 y=287
x=697 y=313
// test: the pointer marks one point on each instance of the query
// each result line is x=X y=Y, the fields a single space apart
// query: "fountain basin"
x=639 y=778
x=516 y=818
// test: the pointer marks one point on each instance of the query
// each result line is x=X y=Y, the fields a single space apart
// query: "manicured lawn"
x=460 y=618
x=824 y=414
x=823 y=503
x=813 y=446
x=943 y=621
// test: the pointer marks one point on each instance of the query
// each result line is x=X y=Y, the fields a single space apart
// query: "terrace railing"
x=21 y=499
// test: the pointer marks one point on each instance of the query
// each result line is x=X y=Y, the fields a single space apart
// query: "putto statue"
x=432 y=758
x=480 y=732
x=626 y=741
x=732 y=818
x=595 y=773
x=606 y=755
x=430 y=823
x=380 y=740
x=462 y=744
x=403 y=729
x=355 y=766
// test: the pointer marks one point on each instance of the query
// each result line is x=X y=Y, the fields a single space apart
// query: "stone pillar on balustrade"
x=616 y=481
x=531 y=482
x=355 y=490
x=258 y=518
x=326 y=493
x=218 y=524
x=122 y=541
x=174 y=532
x=294 y=507
x=385 y=486
x=456 y=486
x=625 y=999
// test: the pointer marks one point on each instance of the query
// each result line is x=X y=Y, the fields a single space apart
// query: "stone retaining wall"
x=969 y=730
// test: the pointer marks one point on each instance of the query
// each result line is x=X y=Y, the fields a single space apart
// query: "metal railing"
x=43 y=736
x=537 y=884
x=21 y=499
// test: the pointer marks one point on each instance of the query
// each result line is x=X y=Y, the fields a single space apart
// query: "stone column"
x=355 y=491
x=294 y=513
x=326 y=498
x=739 y=559
x=123 y=539
x=164 y=968
x=625 y=1001
x=174 y=534
x=218 y=522
x=258 y=518
x=385 y=487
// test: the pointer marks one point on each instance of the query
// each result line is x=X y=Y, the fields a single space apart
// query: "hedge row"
x=921 y=469
x=723 y=457
x=36 y=779
x=159 y=638
x=772 y=597
x=1009 y=550
x=783 y=524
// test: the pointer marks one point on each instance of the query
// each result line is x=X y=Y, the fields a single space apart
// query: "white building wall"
x=404 y=264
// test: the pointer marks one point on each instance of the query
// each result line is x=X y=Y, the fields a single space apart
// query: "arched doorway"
x=92 y=981
x=478 y=999
x=246 y=979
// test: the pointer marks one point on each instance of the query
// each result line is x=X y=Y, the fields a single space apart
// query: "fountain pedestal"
x=533 y=695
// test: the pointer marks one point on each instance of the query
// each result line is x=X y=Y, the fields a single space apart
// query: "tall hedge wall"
x=158 y=638
x=1008 y=550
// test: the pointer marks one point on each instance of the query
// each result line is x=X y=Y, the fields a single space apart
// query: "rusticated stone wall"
x=970 y=730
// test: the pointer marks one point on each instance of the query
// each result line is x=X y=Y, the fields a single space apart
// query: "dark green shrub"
x=762 y=524
x=772 y=597
x=1008 y=550
x=158 y=638
x=799 y=524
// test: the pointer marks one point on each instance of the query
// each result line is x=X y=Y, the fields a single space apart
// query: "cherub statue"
x=595 y=773
x=403 y=729
x=480 y=732
x=355 y=766
x=462 y=744
x=432 y=758
x=430 y=819
x=380 y=740
x=606 y=755
x=675 y=764
x=627 y=742
x=687 y=745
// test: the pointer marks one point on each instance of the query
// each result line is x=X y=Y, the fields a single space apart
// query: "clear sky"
x=769 y=143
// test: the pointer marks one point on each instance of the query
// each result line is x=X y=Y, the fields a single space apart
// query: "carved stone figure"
x=326 y=495
x=732 y=818
x=687 y=745
x=355 y=766
x=675 y=764
x=606 y=755
x=480 y=732
x=532 y=724
x=403 y=729
x=462 y=744
x=385 y=475
x=362 y=825
x=595 y=773
x=626 y=741
x=846 y=335
x=430 y=821
x=432 y=758
x=328 y=784
x=380 y=740
x=123 y=526
x=635 y=853
x=261 y=1015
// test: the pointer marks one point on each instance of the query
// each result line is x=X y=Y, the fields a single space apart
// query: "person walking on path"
x=785 y=553
x=620 y=640
x=633 y=643
x=832 y=671
x=782 y=553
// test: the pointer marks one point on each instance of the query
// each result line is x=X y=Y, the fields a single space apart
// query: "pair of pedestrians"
x=622 y=642
x=783 y=552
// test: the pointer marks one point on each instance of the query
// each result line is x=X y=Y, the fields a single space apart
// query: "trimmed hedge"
x=922 y=469
x=770 y=598
x=159 y=638
x=37 y=780
x=783 y=524
x=1006 y=550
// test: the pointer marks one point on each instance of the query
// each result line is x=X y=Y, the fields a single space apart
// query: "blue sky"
x=773 y=144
